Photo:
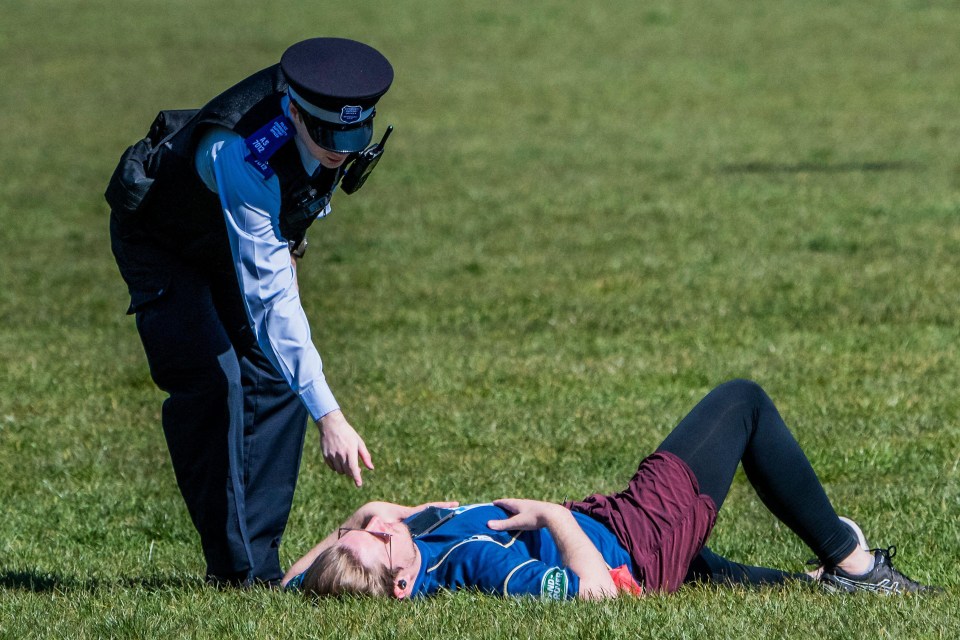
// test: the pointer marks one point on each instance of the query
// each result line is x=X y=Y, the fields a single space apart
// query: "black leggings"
x=737 y=422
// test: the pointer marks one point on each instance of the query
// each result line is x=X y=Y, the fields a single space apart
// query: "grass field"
x=590 y=215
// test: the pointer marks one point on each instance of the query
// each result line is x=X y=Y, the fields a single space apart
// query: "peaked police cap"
x=337 y=82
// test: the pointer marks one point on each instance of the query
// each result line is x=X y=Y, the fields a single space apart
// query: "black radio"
x=363 y=165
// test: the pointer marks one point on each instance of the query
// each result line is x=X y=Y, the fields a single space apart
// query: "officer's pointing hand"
x=343 y=449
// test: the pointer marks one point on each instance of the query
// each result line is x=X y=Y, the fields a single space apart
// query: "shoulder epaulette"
x=266 y=141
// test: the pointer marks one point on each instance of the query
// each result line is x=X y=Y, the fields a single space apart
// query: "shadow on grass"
x=39 y=582
x=817 y=167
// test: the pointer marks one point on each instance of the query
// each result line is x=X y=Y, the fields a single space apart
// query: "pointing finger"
x=354 y=468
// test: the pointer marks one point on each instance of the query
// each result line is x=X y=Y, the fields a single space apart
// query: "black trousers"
x=738 y=423
x=233 y=426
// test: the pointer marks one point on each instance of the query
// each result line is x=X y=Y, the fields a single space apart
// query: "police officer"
x=209 y=215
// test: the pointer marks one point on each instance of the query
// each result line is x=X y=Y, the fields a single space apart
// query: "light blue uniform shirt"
x=251 y=207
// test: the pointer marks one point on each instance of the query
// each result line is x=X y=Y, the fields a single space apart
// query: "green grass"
x=590 y=214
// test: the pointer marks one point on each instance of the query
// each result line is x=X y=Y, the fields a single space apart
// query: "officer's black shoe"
x=224 y=583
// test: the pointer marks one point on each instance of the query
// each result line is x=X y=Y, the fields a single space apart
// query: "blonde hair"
x=337 y=571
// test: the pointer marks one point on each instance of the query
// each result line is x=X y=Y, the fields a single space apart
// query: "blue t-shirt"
x=462 y=552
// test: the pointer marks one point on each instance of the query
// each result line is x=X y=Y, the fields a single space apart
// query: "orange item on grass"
x=625 y=581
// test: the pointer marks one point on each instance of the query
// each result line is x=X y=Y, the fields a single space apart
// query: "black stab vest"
x=156 y=188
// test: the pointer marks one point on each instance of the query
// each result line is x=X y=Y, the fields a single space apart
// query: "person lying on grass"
x=647 y=538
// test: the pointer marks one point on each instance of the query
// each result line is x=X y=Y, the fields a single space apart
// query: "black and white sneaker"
x=883 y=578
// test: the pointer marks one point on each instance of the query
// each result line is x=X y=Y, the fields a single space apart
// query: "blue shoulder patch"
x=266 y=141
x=262 y=166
